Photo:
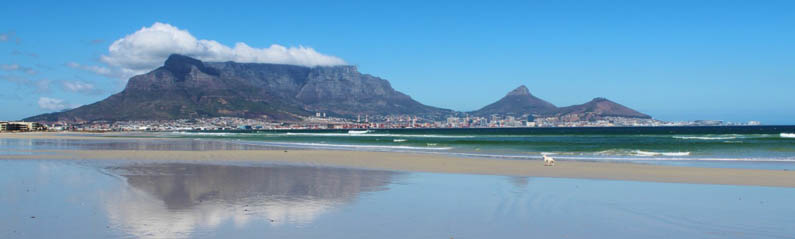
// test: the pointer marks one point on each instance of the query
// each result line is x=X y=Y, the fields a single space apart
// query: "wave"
x=706 y=137
x=577 y=157
x=206 y=133
x=347 y=146
x=618 y=158
x=647 y=153
x=379 y=135
x=399 y=140
x=787 y=135
x=624 y=152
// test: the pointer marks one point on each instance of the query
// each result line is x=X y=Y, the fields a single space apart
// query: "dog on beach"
x=548 y=161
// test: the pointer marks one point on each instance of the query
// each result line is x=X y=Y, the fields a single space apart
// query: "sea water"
x=730 y=146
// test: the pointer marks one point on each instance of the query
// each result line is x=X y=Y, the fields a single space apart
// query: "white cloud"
x=99 y=70
x=77 y=85
x=80 y=87
x=42 y=85
x=53 y=104
x=15 y=67
x=149 y=47
x=38 y=86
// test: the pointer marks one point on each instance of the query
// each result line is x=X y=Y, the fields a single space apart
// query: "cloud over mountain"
x=148 y=47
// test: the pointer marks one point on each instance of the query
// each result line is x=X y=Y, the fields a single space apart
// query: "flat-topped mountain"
x=185 y=87
x=517 y=102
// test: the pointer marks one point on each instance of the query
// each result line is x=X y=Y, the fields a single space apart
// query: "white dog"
x=548 y=161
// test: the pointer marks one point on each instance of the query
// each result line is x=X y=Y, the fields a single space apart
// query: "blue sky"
x=674 y=60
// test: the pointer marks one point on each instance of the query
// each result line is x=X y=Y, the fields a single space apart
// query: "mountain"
x=185 y=87
x=520 y=102
x=517 y=102
x=598 y=107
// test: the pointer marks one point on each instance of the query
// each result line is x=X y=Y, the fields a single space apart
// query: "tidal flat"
x=128 y=189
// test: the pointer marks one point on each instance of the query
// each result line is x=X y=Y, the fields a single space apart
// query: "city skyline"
x=675 y=61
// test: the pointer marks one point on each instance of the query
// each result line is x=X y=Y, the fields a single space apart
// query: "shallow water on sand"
x=146 y=199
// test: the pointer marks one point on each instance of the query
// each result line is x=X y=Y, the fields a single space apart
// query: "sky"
x=674 y=60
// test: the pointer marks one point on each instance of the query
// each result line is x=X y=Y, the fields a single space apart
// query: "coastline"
x=417 y=162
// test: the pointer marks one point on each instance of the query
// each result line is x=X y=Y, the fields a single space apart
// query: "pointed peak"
x=599 y=99
x=521 y=90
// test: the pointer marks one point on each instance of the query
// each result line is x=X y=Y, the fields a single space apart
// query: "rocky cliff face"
x=188 y=88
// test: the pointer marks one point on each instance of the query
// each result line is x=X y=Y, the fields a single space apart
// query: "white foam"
x=378 y=135
x=787 y=135
x=624 y=152
x=705 y=137
x=617 y=158
x=358 y=131
x=206 y=133
x=647 y=153
x=349 y=146
x=399 y=140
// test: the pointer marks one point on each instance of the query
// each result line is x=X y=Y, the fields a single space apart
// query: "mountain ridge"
x=185 y=87
x=520 y=102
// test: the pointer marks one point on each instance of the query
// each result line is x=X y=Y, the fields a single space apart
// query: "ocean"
x=770 y=147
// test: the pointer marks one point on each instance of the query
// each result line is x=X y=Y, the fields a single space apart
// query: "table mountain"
x=185 y=87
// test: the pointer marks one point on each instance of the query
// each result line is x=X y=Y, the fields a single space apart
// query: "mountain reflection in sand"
x=178 y=200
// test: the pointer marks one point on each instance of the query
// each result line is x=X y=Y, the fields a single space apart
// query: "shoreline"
x=430 y=163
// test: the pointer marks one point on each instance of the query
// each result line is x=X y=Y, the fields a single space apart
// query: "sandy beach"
x=417 y=162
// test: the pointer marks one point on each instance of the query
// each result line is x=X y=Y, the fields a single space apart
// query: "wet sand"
x=415 y=162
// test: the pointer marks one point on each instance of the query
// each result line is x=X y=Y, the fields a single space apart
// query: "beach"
x=122 y=185
x=423 y=162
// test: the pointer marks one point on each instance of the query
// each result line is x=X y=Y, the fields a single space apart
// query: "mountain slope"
x=188 y=88
x=599 y=107
x=517 y=102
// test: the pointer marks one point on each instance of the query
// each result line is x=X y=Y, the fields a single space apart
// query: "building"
x=21 y=126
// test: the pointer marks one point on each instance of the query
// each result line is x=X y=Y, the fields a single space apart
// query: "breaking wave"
x=706 y=137
x=623 y=152
x=206 y=133
x=379 y=135
x=348 y=146
x=787 y=135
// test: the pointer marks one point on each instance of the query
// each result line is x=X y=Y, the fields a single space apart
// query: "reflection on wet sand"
x=11 y=144
x=180 y=200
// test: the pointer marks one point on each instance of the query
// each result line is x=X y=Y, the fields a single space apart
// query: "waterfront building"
x=21 y=126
